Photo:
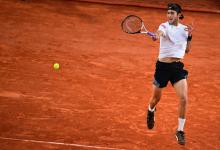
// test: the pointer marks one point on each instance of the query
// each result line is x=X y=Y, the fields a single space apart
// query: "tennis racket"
x=134 y=25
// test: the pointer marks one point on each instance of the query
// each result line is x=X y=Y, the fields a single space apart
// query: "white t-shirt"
x=174 y=41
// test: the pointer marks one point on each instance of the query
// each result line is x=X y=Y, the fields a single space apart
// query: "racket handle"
x=150 y=34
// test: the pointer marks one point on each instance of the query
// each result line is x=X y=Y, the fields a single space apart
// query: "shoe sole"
x=150 y=128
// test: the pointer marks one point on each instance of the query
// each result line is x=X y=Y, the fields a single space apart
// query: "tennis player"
x=175 y=41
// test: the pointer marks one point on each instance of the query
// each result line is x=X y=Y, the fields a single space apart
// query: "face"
x=172 y=16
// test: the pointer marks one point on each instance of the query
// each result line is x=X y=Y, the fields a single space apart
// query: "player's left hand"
x=190 y=29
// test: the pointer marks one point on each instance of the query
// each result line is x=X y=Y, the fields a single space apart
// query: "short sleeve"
x=162 y=28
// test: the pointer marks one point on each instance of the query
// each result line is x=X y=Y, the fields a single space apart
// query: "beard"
x=172 y=22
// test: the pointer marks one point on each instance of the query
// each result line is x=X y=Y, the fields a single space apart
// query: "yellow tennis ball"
x=56 y=66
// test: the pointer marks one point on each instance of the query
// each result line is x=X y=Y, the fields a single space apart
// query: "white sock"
x=152 y=110
x=181 y=124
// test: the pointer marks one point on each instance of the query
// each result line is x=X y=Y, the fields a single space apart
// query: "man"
x=174 y=43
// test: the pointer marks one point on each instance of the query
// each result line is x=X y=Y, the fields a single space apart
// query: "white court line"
x=59 y=143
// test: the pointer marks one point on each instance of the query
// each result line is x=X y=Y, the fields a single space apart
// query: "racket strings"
x=132 y=24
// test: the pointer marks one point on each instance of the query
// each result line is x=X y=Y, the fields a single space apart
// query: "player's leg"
x=182 y=92
x=181 y=89
x=161 y=78
x=155 y=98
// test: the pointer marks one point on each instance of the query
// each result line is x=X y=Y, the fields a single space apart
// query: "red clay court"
x=98 y=97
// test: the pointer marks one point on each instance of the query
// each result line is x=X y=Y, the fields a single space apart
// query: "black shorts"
x=166 y=72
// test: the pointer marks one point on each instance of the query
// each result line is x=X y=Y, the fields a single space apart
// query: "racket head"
x=132 y=24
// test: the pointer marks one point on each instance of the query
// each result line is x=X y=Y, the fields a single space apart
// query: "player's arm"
x=158 y=34
x=188 y=45
x=189 y=39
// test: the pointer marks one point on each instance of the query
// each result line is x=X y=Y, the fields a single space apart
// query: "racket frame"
x=143 y=29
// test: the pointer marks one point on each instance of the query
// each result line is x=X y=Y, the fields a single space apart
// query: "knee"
x=183 y=99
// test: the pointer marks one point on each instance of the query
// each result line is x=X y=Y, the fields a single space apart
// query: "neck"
x=175 y=23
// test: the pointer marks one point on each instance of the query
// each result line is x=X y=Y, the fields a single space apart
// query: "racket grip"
x=150 y=33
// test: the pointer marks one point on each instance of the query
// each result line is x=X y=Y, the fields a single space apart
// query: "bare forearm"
x=157 y=35
x=188 y=45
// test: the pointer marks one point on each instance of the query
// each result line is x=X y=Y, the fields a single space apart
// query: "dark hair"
x=175 y=7
x=181 y=17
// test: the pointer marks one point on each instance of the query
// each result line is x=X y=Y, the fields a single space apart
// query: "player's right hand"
x=155 y=37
